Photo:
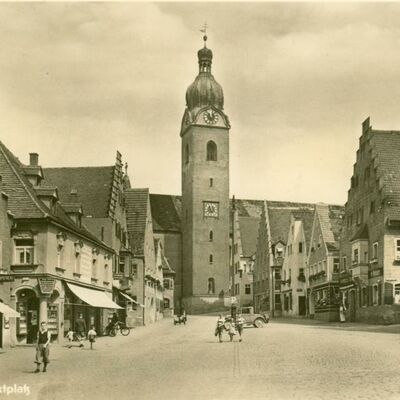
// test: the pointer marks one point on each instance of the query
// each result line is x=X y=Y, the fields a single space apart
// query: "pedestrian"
x=70 y=337
x=230 y=327
x=342 y=314
x=239 y=326
x=80 y=328
x=220 y=327
x=42 y=347
x=92 y=336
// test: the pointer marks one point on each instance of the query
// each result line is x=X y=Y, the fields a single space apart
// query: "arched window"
x=211 y=258
x=211 y=151
x=211 y=236
x=211 y=286
x=187 y=154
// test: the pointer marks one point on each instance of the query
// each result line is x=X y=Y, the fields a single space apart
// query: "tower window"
x=187 y=154
x=211 y=182
x=211 y=286
x=211 y=258
x=211 y=151
x=211 y=236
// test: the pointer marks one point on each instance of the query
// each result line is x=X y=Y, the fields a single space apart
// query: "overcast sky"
x=80 y=80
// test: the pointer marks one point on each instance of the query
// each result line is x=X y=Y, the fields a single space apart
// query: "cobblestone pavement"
x=288 y=359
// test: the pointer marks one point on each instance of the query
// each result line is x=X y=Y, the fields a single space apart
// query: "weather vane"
x=204 y=30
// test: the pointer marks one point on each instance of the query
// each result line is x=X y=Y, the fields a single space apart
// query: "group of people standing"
x=232 y=325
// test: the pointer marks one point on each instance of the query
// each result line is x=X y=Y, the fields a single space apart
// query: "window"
x=247 y=289
x=300 y=247
x=187 y=154
x=210 y=258
x=397 y=249
x=355 y=256
x=372 y=207
x=344 y=262
x=211 y=286
x=211 y=182
x=94 y=268
x=211 y=151
x=24 y=251
x=319 y=241
x=211 y=236
x=237 y=288
x=336 y=262
x=168 y=283
x=375 y=251
x=121 y=264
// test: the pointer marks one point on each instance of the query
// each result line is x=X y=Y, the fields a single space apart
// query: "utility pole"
x=233 y=305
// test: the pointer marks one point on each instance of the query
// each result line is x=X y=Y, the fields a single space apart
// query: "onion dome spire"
x=205 y=90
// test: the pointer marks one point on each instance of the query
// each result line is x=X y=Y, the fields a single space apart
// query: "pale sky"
x=80 y=80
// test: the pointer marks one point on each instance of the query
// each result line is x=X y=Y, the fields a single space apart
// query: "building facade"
x=294 y=293
x=57 y=269
x=323 y=263
x=370 y=241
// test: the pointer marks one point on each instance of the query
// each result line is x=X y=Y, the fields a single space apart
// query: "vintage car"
x=252 y=319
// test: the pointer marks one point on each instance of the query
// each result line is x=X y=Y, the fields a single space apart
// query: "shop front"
x=91 y=305
x=7 y=320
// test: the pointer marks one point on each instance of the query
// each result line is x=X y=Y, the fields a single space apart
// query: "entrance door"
x=352 y=306
x=302 y=305
x=32 y=321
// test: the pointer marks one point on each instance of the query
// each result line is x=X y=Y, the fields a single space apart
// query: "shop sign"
x=6 y=278
x=46 y=285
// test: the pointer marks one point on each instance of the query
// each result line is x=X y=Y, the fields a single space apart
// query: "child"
x=70 y=337
x=92 y=336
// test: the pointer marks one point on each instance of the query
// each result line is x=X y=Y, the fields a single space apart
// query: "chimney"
x=33 y=159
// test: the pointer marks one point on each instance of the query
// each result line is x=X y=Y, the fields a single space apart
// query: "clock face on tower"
x=210 y=117
x=211 y=209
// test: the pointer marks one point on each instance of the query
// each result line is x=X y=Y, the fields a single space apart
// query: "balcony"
x=318 y=276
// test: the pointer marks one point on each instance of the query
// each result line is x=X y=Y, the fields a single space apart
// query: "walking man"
x=220 y=327
x=80 y=329
x=42 y=347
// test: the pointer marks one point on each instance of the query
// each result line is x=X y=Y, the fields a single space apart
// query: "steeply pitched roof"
x=248 y=208
x=136 y=201
x=331 y=220
x=307 y=217
x=166 y=212
x=248 y=234
x=361 y=234
x=90 y=186
x=23 y=201
x=279 y=213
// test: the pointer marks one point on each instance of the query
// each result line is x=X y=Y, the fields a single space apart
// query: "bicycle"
x=125 y=331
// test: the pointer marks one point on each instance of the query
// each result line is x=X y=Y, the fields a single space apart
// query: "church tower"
x=205 y=193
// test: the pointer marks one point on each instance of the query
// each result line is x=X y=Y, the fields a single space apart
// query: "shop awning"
x=95 y=298
x=8 y=311
x=129 y=298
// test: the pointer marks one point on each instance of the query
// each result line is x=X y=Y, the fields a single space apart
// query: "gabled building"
x=370 y=239
x=57 y=268
x=323 y=263
x=293 y=285
x=270 y=250
x=148 y=282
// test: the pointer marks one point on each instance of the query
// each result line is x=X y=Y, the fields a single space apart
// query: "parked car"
x=252 y=319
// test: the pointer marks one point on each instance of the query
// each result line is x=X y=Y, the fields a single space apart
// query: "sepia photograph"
x=199 y=200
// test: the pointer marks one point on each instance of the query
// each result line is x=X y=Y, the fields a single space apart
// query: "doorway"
x=302 y=305
x=28 y=307
x=352 y=306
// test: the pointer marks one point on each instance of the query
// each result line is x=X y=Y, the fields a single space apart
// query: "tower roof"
x=205 y=90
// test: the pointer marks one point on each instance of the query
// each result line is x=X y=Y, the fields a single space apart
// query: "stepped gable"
x=89 y=186
x=23 y=201
x=136 y=201
x=166 y=212
x=248 y=234
x=279 y=213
